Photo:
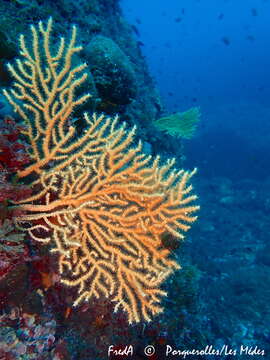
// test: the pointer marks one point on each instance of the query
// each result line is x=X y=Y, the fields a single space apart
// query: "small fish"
x=254 y=12
x=220 y=16
x=138 y=21
x=178 y=19
x=226 y=40
x=135 y=29
x=250 y=37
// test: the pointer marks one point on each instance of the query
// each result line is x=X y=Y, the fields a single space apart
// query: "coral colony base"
x=102 y=205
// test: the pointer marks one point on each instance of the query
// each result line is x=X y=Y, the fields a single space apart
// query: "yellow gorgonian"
x=101 y=204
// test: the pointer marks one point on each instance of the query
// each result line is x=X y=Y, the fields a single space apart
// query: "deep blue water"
x=213 y=54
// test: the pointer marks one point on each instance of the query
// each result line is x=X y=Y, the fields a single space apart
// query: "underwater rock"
x=23 y=333
x=112 y=71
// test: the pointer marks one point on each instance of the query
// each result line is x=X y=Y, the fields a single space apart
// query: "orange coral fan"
x=107 y=204
x=43 y=95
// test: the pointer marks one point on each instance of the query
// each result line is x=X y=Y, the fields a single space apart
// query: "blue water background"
x=213 y=54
